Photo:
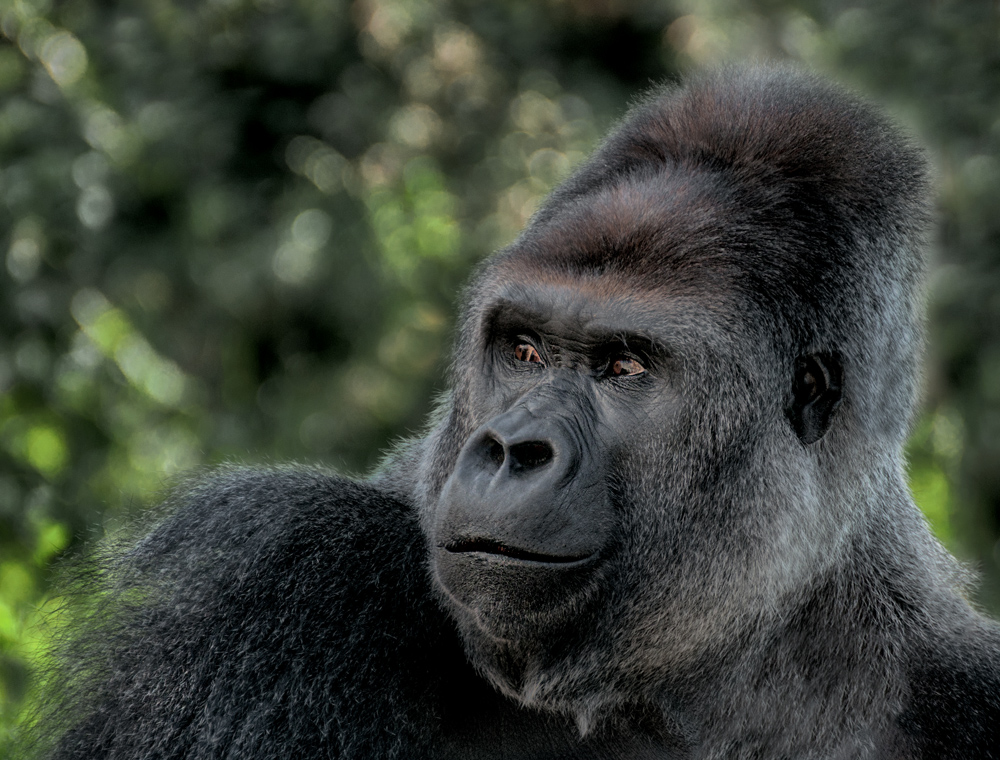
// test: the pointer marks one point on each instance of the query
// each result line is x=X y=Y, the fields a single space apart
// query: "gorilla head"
x=679 y=397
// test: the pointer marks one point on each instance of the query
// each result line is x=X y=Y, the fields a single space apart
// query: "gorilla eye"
x=525 y=352
x=625 y=366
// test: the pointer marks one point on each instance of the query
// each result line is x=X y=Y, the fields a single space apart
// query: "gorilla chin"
x=507 y=594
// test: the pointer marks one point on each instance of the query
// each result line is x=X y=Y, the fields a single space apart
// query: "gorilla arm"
x=274 y=614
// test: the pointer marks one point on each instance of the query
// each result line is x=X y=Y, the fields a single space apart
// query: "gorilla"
x=662 y=512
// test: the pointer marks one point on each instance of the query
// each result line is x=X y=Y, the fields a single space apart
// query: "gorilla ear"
x=816 y=394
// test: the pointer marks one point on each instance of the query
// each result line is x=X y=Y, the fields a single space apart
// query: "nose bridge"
x=564 y=404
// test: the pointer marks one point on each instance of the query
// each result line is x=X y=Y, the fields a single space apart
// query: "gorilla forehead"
x=667 y=254
x=589 y=309
x=665 y=229
x=673 y=231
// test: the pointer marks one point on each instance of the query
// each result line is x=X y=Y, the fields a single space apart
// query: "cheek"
x=707 y=534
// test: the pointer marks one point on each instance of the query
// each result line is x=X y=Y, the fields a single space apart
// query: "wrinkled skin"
x=661 y=514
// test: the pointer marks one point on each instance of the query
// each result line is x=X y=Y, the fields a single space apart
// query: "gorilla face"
x=571 y=381
x=606 y=492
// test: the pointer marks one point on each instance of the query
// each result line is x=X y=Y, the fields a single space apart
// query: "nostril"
x=530 y=455
x=495 y=452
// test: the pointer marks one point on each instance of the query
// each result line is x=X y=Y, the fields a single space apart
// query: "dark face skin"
x=572 y=380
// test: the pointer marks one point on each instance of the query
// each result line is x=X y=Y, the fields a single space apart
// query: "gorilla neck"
x=833 y=677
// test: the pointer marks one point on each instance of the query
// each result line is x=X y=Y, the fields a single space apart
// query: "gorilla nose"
x=521 y=457
x=523 y=489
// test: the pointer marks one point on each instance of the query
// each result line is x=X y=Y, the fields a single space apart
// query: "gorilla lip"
x=495 y=548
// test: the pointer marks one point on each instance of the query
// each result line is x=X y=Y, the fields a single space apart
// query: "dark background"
x=235 y=229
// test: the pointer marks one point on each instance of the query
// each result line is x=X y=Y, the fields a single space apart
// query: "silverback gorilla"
x=662 y=513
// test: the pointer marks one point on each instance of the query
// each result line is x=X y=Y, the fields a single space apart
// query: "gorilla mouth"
x=489 y=546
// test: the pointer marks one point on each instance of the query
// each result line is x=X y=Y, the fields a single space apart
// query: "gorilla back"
x=661 y=514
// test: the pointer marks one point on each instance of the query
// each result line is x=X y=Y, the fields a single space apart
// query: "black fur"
x=663 y=512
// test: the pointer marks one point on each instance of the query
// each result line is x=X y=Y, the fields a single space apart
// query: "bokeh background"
x=235 y=229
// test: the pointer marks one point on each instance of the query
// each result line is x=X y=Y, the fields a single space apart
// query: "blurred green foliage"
x=234 y=229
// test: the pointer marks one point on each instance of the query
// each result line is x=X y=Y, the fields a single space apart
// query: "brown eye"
x=625 y=366
x=525 y=352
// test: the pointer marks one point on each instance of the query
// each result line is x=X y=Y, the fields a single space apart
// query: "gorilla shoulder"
x=216 y=629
